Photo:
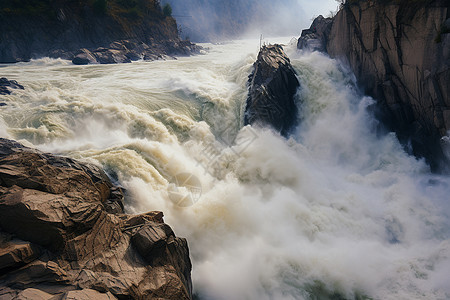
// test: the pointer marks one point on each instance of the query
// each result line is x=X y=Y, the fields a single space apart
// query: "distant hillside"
x=33 y=28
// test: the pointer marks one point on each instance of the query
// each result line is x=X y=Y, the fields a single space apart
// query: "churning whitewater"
x=336 y=210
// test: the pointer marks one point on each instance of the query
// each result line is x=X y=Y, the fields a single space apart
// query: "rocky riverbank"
x=126 y=51
x=84 y=31
x=399 y=52
x=64 y=235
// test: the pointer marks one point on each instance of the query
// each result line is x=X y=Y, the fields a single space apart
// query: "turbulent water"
x=335 y=211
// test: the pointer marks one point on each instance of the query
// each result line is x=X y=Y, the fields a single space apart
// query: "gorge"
x=399 y=52
x=331 y=208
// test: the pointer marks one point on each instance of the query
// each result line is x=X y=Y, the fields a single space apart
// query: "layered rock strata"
x=63 y=235
x=399 y=52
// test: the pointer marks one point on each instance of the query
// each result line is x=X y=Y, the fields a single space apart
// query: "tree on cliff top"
x=167 y=10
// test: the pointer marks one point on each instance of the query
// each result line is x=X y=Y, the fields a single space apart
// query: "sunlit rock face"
x=272 y=89
x=399 y=54
x=63 y=233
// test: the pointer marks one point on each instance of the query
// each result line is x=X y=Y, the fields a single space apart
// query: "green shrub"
x=167 y=10
x=100 y=7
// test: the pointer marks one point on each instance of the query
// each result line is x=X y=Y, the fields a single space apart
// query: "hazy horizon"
x=215 y=20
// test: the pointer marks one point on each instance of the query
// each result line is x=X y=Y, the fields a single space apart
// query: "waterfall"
x=335 y=210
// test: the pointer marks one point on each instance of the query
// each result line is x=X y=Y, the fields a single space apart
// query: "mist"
x=214 y=20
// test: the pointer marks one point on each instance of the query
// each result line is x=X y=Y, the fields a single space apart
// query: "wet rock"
x=6 y=84
x=133 y=55
x=272 y=88
x=316 y=37
x=73 y=240
x=84 y=57
x=111 y=56
x=63 y=54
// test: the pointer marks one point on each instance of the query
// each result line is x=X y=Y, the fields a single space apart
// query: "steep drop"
x=398 y=51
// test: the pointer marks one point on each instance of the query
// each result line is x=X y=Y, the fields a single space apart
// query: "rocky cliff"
x=36 y=28
x=63 y=235
x=272 y=88
x=399 y=52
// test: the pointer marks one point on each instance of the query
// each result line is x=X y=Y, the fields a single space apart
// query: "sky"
x=313 y=8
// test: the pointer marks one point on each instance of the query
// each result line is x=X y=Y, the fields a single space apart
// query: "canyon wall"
x=400 y=54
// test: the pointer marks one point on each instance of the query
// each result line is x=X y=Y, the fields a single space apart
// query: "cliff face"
x=272 y=87
x=35 y=28
x=399 y=52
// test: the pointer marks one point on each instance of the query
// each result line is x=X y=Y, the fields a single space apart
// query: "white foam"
x=335 y=204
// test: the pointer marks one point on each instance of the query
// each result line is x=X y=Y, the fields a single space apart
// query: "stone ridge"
x=272 y=87
x=63 y=235
x=400 y=56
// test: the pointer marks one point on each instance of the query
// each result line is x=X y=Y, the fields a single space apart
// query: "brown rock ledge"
x=63 y=235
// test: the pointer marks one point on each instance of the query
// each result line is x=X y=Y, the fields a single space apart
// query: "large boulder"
x=63 y=233
x=272 y=87
x=6 y=84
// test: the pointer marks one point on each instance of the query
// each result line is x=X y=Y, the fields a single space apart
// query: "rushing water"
x=334 y=210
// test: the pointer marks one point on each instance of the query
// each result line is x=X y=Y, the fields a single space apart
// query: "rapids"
x=335 y=211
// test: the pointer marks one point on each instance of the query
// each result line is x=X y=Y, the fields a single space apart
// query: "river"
x=336 y=210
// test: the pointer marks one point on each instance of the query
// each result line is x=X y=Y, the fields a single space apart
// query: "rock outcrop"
x=62 y=29
x=272 y=88
x=399 y=52
x=126 y=51
x=63 y=235
x=6 y=85
x=316 y=37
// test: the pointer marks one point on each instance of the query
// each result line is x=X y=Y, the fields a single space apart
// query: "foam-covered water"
x=335 y=210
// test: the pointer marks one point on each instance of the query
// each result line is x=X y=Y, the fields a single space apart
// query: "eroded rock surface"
x=272 y=88
x=399 y=52
x=63 y=235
